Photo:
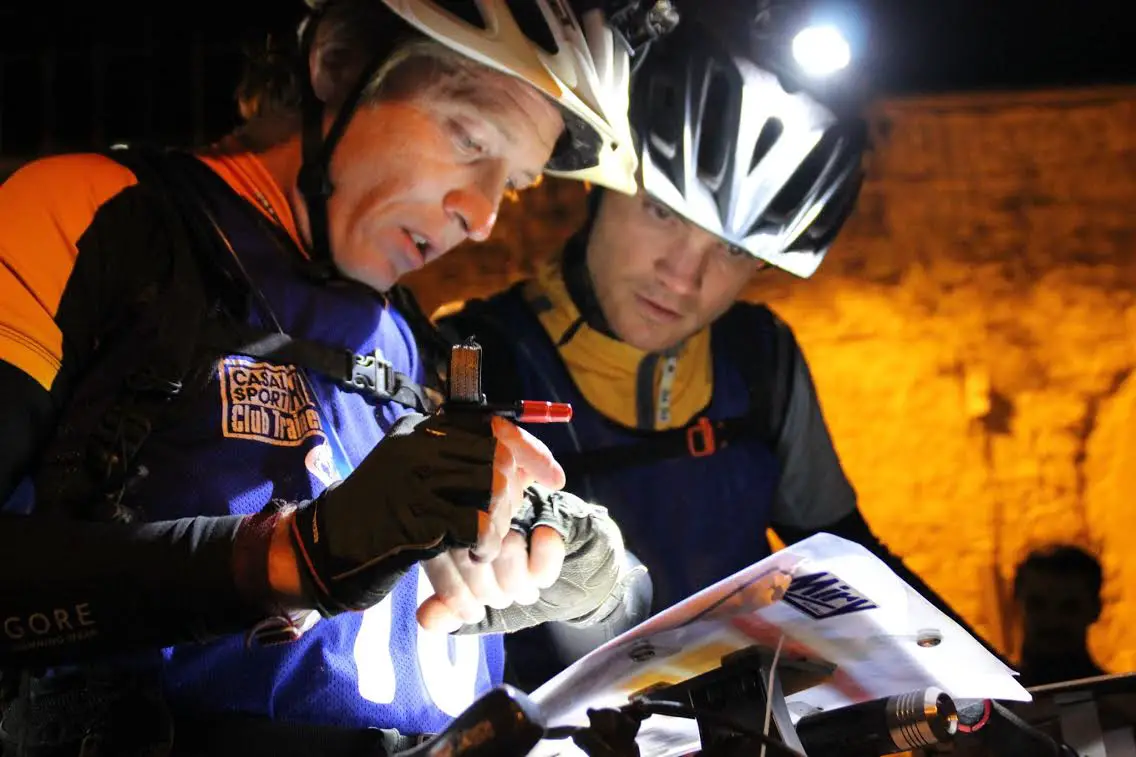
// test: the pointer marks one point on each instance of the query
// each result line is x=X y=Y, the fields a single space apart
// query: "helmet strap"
x=314 y=180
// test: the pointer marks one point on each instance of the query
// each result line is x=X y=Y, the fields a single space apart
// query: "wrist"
x=283 y=567
x=268 y=575
x=265 y=568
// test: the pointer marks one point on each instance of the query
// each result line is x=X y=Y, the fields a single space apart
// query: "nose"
x=681 y=266
x=475 y=202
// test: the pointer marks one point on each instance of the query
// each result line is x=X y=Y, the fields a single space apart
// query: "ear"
x=333 y=66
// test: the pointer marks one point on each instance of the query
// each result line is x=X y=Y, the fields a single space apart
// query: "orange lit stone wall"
x=972 y=337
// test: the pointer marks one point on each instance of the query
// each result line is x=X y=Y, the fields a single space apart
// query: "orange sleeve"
x=45 y=207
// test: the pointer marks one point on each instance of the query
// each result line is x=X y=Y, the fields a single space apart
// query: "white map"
x=843 y=606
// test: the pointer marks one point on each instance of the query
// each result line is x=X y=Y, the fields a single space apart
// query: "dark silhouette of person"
x=1057 y=590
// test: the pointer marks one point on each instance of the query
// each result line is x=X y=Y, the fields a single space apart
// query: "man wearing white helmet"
x=696 y=420
x=229 y=513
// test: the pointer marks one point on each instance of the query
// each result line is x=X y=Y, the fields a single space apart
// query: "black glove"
x=595 y=579
x=414 y=496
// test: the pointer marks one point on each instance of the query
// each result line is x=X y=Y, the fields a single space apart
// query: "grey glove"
x=595 y=579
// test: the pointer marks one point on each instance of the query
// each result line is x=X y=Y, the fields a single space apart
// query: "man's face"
x=1057 y=611
x=658 y=278
x=417 y=175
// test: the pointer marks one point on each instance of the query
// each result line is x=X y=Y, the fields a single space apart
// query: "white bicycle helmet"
x=737 y=147
x=580 y=63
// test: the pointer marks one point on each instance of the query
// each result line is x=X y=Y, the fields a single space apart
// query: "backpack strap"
x=101 y=467
x=766 y=376
x=768 y=371
x=782 y=376
x=368 y=373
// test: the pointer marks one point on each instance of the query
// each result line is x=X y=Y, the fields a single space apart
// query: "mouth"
x=422 y=243
x=656 y=311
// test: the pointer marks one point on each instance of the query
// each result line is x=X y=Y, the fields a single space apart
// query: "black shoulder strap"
x=94 y=484
x=763 y=347
x=754 y=337
x=784 y=355
x=367 y=373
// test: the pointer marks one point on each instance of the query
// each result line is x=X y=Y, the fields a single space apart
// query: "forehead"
x=509 y=102
x=492 y=92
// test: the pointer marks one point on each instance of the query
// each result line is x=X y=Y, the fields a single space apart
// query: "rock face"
x=972 y=335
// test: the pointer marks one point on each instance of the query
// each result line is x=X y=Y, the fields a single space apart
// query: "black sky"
x=910 y=47
x=964 y=45
x=915 y=45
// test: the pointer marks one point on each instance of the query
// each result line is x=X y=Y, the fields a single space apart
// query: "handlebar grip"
x=502 y=723
x=1002 y=732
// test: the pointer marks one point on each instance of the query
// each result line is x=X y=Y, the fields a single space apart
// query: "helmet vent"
x=466 y=10
x=713 y=128
x=793 y=196
x=665 y=104
x=770 y=132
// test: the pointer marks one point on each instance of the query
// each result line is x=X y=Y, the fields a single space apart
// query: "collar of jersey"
x=606 y=370
x=249 y=178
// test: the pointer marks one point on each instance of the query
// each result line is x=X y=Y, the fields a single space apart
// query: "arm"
x=73 y=589
x=815 y=495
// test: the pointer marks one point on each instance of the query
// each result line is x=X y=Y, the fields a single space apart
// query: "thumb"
x=435 y=615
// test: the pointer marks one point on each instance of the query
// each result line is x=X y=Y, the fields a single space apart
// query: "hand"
x=574 y=563
x=425 y=488
x=504 y=567
x=519 y=460
x=464 y=588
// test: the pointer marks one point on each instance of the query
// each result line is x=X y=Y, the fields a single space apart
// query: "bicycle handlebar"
x=1002 y=732
x=506 y=723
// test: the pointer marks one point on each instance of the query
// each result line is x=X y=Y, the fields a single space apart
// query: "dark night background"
x=167 y=71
